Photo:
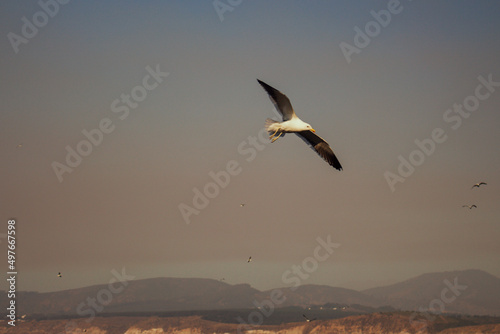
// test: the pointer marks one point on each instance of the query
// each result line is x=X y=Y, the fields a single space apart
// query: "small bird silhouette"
x=469 y=206
x=242 y=204
x=307 y=319
x=479 y=184
x=59 y=274
x=249 y=259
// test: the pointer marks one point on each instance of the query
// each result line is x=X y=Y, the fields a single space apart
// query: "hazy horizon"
x=158 y=96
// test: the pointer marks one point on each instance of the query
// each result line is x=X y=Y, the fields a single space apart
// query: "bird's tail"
x=271 y=126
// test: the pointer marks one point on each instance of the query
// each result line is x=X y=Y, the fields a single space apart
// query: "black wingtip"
x=263 y=84
x=337 y=167
x=273 y=92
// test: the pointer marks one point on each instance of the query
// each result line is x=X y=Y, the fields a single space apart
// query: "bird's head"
x=309 y=127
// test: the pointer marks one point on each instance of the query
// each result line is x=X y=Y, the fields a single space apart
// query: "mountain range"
x=473 y=292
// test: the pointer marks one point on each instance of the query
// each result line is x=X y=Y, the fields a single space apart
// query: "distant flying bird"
x=242 y=204
x=19 y=145
x=249 y=259
x=292 y=124
x=59 y=275
x=469 y=206
x=479 y=184
x=307 y=319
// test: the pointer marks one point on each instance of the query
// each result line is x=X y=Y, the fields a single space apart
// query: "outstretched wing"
x=280 y=101
x=321 y=147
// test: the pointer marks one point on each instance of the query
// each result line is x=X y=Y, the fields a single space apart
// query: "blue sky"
x=119 y=208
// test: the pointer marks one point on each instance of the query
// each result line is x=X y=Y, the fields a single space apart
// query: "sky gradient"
x=119 y=206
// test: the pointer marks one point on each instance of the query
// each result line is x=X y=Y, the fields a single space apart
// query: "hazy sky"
x=103 y=65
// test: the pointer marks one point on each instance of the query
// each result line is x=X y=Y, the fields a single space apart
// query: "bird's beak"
x=313 y=130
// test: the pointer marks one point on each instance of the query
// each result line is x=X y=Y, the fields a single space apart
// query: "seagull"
x=242 y=204
x=59 y=275
x=249 y=259
x=479 y=184
x=469 y=206
x=292 y=124
x=307 y=319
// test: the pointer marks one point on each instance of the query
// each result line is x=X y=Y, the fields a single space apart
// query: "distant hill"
x=468 y=292
x=478 y=293
x=146 y=295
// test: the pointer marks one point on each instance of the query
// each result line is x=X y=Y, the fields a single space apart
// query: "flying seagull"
x=249 y=259
x=479 y=184
x=242 y=204
x=59 y=275
x=307 y=319
x=292 y=124
x=469 y=206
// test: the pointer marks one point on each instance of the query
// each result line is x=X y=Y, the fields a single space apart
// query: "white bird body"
x=293 y=125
